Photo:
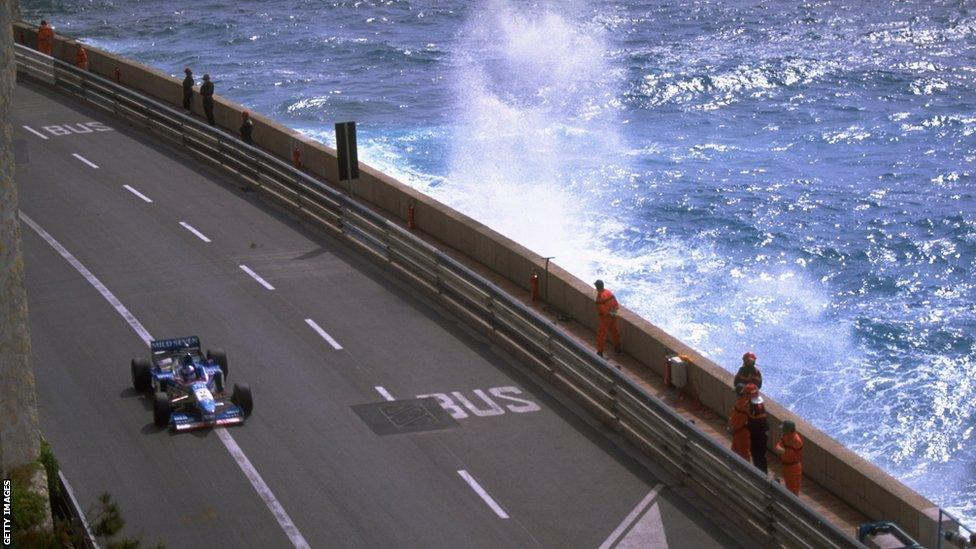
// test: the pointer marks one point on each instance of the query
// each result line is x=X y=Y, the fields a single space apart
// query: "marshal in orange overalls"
x=790 y=450
x=45 y=38
x=737 y=424
x=606 y=306
x=81 y=58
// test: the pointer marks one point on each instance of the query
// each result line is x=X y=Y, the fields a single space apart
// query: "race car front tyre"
x=161 y=410
x=220 y=357
x=242 y=398
x=141 y=375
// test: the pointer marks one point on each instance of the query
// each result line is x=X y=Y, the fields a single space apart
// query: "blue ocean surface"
x=792 y=178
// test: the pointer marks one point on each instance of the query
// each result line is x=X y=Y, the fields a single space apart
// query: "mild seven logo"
x=176 y=343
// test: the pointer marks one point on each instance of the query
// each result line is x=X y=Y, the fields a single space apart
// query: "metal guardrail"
x=758 y=505
x=954 y=537
x=70 y=509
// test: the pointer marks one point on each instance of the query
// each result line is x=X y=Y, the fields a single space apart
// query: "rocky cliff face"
x=19 y=431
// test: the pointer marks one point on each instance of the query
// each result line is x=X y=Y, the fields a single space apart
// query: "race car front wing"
x=230 y=415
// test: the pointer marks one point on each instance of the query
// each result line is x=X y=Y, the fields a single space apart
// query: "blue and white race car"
x=189 y=387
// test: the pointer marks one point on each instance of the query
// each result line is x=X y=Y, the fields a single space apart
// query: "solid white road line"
x=116 y=304
x=633 y=516
x=35 y=132
x=200 y=235
x=384 y=393
x=484 y=495
x=255 y=276
x=137 y=193
x=85 y=160
x=325 y=336
x=296 y=537
x=230 y=444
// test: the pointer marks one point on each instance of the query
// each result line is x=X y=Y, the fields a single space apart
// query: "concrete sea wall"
x=860 y=484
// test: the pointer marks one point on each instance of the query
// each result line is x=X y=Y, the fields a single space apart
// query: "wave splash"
x=538 y=122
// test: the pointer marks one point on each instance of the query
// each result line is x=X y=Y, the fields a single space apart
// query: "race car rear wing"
x=189 y=343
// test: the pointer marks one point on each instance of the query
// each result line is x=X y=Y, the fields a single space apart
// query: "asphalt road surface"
x=122 y=234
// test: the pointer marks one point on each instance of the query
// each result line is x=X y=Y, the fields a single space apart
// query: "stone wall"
x=19 y=430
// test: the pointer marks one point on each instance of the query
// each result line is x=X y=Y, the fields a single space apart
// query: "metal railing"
x=67 y=506
x=961 y=536
x=758 y=505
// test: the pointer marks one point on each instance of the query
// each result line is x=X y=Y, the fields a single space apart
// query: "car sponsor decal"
x=175 y=343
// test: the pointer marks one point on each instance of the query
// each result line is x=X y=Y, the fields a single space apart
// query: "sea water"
x=792 y=178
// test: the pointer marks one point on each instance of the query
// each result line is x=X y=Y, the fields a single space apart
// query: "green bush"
x=28 y=512
x=52 y=467
x=27 y=509
x=107 y=520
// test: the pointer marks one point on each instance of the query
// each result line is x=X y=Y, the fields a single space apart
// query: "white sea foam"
x=308 y=103
x=928 y=86
x=725 y=87
x=849 y=135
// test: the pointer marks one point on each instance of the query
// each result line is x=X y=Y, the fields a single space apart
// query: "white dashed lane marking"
x=484 y=495
x=200 y=235
x=324 y=334
x=384 y=393
x=137 y=193
x=85 y=160
x=255 y=276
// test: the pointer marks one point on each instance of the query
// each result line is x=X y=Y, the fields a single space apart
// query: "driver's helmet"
x=187 y=369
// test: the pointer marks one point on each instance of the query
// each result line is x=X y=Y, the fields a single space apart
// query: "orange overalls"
x=740 y=433
x=81 y=58
x=606 y=306
x=45 y=39
x=792 y=459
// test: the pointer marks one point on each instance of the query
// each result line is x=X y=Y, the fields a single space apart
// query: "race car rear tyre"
x=161 y=410
x=242 y=398
x=220 y=357
x=141 y=375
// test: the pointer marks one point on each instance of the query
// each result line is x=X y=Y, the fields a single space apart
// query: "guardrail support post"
x=547 y=276
x=685 y=460
x=614 y=407
x=491 y=313
x=770 y=513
